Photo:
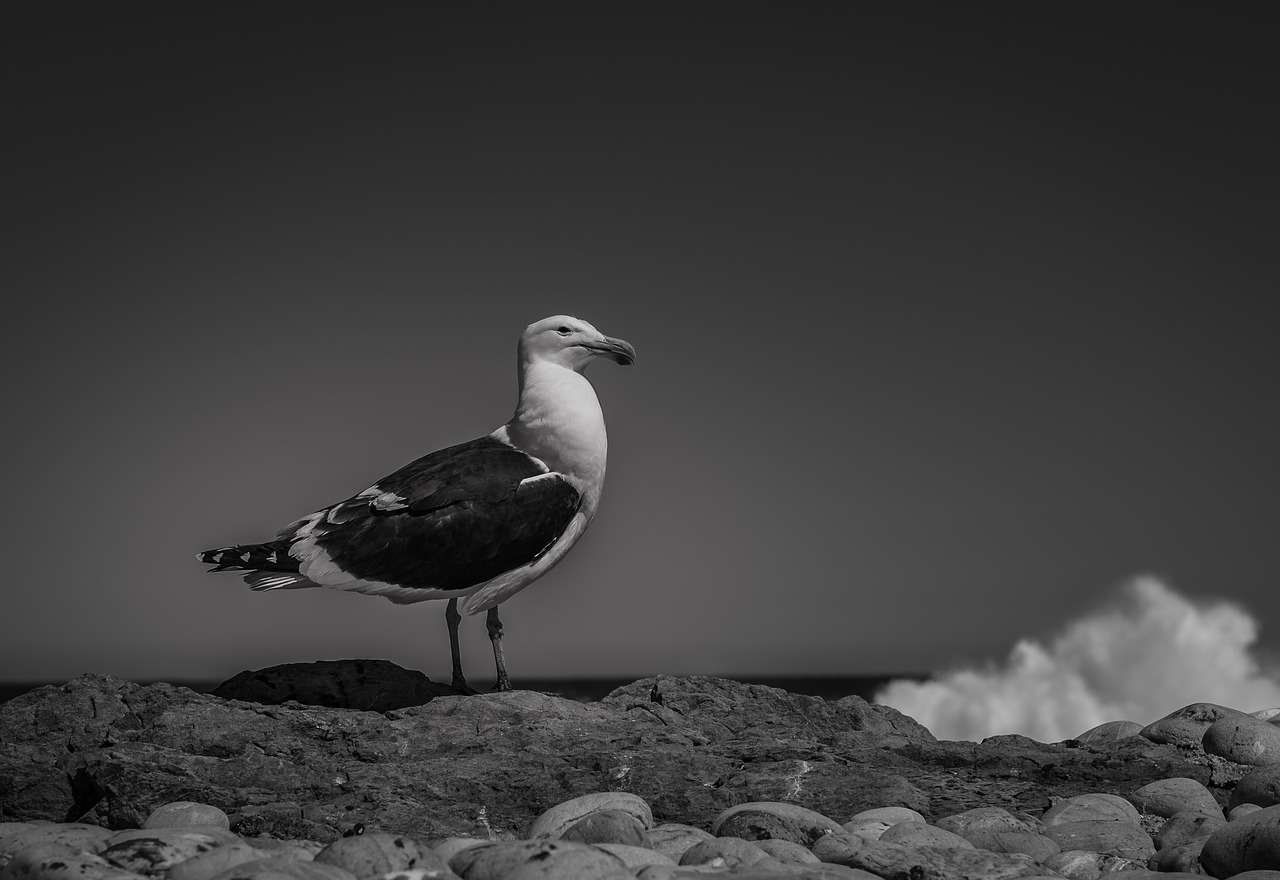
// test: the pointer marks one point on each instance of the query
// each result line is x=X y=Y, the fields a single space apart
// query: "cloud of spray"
x=1148 y=652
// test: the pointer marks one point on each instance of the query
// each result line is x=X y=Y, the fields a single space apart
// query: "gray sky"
x=950 y=318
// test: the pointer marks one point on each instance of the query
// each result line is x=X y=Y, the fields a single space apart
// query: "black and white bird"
x=473 y=523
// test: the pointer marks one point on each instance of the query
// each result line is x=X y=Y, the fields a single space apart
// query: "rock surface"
x=108 y=751
x=1248 y=844
x=1244 y=740
x=1260 y=787
x=1166 y=797
x=371 y=685
x=524 y=785
x=1186 y=726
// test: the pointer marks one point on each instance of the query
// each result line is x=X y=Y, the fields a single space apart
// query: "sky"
x=952 y=319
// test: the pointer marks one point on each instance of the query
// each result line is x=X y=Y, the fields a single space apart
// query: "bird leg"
x=495 y=635
x=451 y=619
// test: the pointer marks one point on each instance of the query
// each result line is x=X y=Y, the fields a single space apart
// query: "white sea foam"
x=1146 y=653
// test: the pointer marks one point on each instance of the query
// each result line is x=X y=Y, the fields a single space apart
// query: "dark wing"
x=451 y=519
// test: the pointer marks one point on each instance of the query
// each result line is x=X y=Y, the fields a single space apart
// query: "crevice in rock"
x=85 y=793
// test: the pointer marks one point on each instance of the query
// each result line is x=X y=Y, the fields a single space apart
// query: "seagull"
x=474 y=523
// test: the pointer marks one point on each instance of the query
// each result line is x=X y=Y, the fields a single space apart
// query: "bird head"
x=572 y=343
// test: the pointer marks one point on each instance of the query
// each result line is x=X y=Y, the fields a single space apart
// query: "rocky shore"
x=354 y=771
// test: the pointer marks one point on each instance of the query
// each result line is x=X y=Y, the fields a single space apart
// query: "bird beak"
x=617 y=350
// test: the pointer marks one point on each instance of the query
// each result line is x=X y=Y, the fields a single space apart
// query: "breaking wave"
x=1146 y=653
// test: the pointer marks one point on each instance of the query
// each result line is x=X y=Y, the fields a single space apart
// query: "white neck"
x=558 y=419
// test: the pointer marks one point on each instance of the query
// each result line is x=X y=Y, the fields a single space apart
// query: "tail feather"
x=269 y=566
x=272 y=556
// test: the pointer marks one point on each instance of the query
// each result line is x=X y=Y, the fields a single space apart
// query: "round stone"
x=1244 y=740
x=154 y=851
x=871 y=829
x=635 y=857
x=554 y=821
x=451 y=846
x=284 y=868
x=48 y=860
x=888 y=815
x=1165 y=797
x=1106 y=836
x=1260 y=786
x=873 y=823
x=607 y=826
x=786 y=851
x=500 y=859
x=1109 y=732
x=214 y=862
x=1186 y=726
x=1030 y=843
x=915 y=834
x=774 y=820
x=81 y=837
x=1184 y=858
x=722 y=852
x=1182 y=828
x=1089 y=865
x=182 y=814
x=1251 y=843
x=1083 y=807
x=982 y=819
x=673 y=840
x=378 y=853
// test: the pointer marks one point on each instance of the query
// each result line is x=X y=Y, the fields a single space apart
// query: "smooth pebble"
x=1165 y=797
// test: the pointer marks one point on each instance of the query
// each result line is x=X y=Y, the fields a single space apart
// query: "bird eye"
x=564 y=330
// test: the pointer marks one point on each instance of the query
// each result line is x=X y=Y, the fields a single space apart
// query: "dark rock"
x=1186 y=827
x=729 y=852
x=918 y=834
x=556 y=820
x=185 y=814
x=1083 y=864
x=154 y=851
x=1181 y=859
x=1186 y=726
x=502 y=858
x=1105 y=836
x=368 y=854
x=985 y=819
x=635 y=858
x=275 y=867
x=1093 y=805
x=607 y=826
x=1260 y=786
x=1168 y=797
x=368 y=685
x=924 y=863
x=110 y=752
x=1110 y=732
x=673 y=840
x=787 y=851
x=1245 y=740
x=1029 y=843
x=214 y=862
x=1248 y=844
x=774 y=821
x=58 y=861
